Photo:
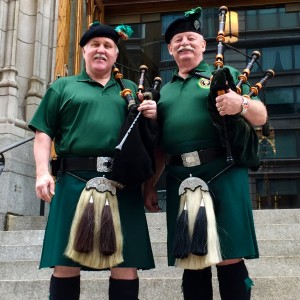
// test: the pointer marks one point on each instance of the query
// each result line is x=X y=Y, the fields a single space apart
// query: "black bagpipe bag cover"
x=135 y=162
x=240 y=133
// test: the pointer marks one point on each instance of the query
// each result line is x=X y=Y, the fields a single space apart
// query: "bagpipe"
x=134 y=155
x=196 y=242
x=237 y=135
x=96 y=238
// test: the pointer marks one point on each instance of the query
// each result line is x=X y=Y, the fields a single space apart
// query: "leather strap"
x=93 y=163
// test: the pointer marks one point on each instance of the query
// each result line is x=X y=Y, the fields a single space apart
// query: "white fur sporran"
x=99 y=196
x=194 y=193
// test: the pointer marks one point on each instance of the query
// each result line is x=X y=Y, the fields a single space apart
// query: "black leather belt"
x=100 y=164
x=195 y=158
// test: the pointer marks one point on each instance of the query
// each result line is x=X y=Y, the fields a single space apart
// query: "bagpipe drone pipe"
x=237 y=135
x=134 y=155
x=196 y=240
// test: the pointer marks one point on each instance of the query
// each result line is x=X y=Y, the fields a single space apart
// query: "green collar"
x=84 y=77
x=203 y=67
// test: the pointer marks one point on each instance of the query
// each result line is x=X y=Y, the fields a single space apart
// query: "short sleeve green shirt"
x=83 y=117
x=184 y=119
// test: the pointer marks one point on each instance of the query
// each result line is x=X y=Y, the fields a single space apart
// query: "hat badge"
x=196 y=24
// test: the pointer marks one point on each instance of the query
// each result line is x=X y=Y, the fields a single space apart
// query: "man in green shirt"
x=193 y=147
x=83 y=114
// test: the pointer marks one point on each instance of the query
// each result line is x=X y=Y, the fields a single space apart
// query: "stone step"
x=272 y=216
x=268 y=288
x=30 y=251
x=276 y=216
x=263 y=231
x=276 y=274
x=279 y=248
x=158 y=234
x=278 y=231
x=2 y=221
x=14 y=222
x=284 y=266
x=264 y=267
x=283 y=239
x=22 y=237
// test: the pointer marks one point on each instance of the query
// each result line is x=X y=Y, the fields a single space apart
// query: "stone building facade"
x=27 y=44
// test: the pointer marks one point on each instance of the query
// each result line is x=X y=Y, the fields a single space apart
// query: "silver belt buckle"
x=104 y=164
x=190 y=159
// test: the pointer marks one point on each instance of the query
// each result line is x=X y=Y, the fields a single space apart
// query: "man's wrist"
x=244 y=106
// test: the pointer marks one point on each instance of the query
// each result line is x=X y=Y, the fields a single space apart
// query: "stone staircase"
x=276 y=274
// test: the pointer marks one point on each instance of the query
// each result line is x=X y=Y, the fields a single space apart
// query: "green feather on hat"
x=194 y=13
x=124 y=31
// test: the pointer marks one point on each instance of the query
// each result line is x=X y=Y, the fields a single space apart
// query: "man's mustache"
x=101 y=56
x=186 y=48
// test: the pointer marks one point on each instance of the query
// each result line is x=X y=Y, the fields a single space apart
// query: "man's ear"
x=203 y=46
x=170 y=49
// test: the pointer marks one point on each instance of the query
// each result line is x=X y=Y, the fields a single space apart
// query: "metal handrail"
x=2 y=164
x=9 y=147
x=14 y=145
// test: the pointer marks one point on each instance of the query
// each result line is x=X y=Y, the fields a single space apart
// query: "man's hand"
x=44 y=187
x=148 y=109
x=150 y=200
x=229 y=103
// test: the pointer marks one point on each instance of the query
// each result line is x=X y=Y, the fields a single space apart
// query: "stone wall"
x=27 y=58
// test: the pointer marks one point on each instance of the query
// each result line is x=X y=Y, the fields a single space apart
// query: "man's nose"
x=100 y=49
x=184 y=41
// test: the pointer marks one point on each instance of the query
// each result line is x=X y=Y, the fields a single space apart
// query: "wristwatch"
x=245 y=106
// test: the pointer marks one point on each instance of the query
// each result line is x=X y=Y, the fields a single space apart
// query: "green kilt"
x=137 y=252
x=232 y=205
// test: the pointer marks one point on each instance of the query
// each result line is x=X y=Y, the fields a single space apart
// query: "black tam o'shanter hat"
x=190 y=22
x=97 y=29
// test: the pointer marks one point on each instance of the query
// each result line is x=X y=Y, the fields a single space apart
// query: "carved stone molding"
x=36 y=87
x=9 y=77
x=33 y=97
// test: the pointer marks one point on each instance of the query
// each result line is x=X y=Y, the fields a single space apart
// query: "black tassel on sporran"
x=199 y=237
x=107 y=240
x=182 y=237
x=84 y=238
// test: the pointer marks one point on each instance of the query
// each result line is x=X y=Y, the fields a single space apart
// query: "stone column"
x=8 y=84
x=26 y=62
x=42 y=57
